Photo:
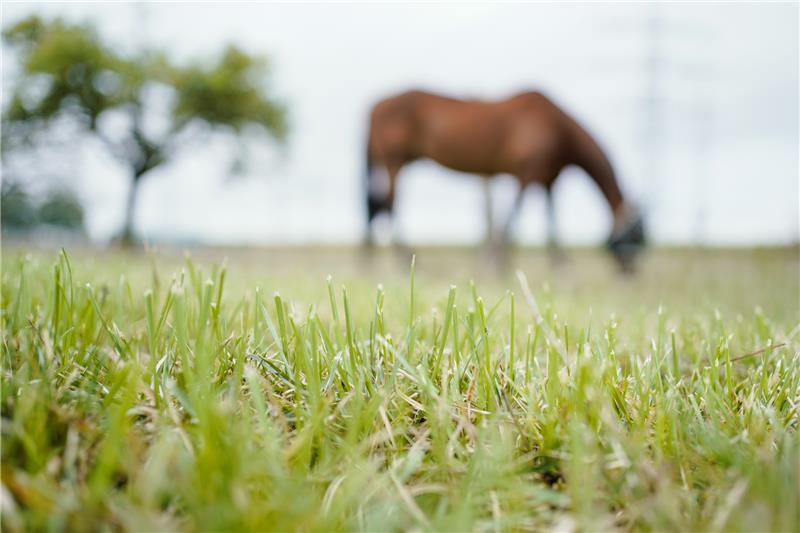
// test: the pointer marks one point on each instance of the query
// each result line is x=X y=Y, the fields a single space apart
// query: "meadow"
x=313 y=389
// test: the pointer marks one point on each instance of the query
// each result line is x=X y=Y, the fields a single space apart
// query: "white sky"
x=725 y=169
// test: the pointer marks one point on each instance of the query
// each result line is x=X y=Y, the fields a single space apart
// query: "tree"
x=69 y=73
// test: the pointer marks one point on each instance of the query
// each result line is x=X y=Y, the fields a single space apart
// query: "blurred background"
x=245 y=124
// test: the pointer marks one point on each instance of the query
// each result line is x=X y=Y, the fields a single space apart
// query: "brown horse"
x=526 y=136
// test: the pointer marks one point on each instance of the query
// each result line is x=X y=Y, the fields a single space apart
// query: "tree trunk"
x=127 y=237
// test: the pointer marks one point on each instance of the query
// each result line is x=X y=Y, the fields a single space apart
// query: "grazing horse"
x=526 y=136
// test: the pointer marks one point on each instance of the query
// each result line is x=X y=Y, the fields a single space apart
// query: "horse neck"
x=588 y=155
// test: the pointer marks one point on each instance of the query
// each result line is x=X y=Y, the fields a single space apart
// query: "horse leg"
x=554 y=250
x=544 y=173
x=393 y=168
x=488 y=215
x=513 y=215
x=502 y=245
x=494 y=244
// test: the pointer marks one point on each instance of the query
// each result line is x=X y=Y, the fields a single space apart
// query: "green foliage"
x=67 y=70
x=75 y=71
x=147 y=402
x=227 y=92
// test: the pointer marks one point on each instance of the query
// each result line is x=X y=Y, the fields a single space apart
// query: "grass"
x=151 y=393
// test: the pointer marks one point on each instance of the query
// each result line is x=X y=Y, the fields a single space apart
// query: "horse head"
x=627 y=239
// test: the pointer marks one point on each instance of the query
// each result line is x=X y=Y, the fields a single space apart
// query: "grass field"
x=145 y=391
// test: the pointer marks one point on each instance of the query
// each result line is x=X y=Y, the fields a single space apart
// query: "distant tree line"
x=19 y=212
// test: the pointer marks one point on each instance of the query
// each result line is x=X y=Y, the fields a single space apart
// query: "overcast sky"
x=725 y=169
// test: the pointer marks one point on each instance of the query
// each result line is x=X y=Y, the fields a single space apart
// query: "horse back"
x=469 y=135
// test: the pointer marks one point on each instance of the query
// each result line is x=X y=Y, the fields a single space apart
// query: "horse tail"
x=369 y=163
